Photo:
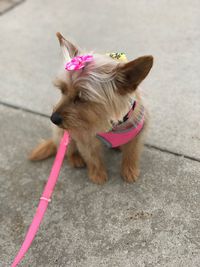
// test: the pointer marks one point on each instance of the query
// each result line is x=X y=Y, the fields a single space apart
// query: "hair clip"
x=78 y=62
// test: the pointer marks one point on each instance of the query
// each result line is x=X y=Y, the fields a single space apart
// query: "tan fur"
x=91 y=150
x=43 y=150
x=131 y=153
x=74 y=157
x=90 y=99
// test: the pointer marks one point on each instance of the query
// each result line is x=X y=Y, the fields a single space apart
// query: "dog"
x=99 y=101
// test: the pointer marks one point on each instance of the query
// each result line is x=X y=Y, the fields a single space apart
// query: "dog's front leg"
x=75 y=159
x=130 y=159
x=92 y=154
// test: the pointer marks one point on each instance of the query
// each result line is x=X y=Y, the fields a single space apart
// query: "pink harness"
x=125 y=131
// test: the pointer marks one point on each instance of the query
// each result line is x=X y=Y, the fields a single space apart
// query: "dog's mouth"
x=64 y=127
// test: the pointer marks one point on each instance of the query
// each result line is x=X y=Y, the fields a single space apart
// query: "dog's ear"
x=69 y=50
x=131 y=74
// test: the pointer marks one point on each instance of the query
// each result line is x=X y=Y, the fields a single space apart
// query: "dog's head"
x=94 y=95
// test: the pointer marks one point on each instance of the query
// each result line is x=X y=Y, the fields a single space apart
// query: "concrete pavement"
x=167 y=30
x=154 y=222
x=7 y=5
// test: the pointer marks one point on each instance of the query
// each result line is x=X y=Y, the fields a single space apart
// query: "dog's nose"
x=56 y=118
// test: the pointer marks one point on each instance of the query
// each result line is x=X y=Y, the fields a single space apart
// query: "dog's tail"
x=44 y=150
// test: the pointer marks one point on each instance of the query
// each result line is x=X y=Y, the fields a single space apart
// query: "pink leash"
x=44 y=200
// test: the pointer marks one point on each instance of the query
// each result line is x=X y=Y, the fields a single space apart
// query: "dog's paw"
x=130 y=174
x=99 y=178
x=76 y=160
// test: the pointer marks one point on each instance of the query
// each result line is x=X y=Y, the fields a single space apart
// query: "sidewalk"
x=154 y=222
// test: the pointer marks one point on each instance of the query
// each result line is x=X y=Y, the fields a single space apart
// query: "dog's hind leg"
x=44 y=150
x=48 y=147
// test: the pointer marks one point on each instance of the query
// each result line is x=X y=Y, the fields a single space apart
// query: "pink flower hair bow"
x=78 y=62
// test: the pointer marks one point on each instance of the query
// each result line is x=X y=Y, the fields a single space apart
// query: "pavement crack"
x=11 y=7
x=24 y=109
x=172 y=152
x=147 y=145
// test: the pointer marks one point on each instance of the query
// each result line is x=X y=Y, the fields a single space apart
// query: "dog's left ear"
x=69 y=50
x=131 y=74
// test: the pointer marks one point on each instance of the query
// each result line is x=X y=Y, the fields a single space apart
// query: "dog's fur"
x=91 y=98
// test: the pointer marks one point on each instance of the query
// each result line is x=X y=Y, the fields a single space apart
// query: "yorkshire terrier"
x=100 y=104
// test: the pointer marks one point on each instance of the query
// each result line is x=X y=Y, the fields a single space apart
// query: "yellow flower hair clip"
x=118 y=56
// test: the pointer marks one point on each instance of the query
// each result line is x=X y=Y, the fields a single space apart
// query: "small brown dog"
x=99 y=97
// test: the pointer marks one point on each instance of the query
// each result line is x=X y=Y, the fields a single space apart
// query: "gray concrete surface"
x=169 y=30
x=6 y=5
x=154 y=222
